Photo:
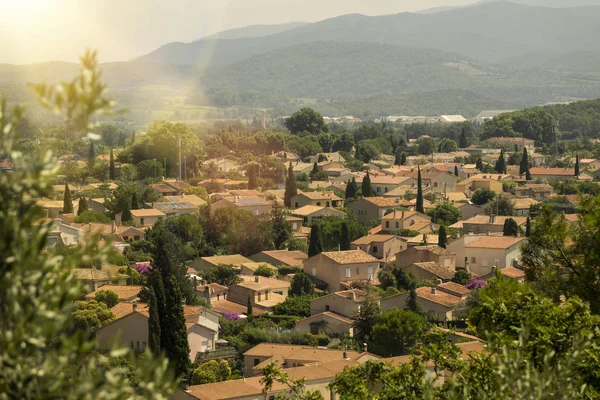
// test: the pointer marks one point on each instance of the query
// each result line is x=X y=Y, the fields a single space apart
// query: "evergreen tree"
x=527 y=227
x=315 y=245
x=501 y=163
x=154 y=342
x=419 y=206
x=345 y=237
x=456 y=170
x=249 y=307
x=367 y=190
x=315 y=169
x=67 y=201
x=91 y=156
x=173 y=329
x=350 y=193
x=135 y=201
x=282 y=229
x=403 y=159
x=291 y=188
x=111 y=167
x=252 y=183
x=462 y=140
x=479 y=164
x=510 y=228
x=83 y=205
x=126 y=213
x=442 y=238
x=524 y=166
x=577 y=164
x=527 y=175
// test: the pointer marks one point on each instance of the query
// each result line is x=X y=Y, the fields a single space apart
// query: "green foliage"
x=83 y=205
x=67 y=201
x=225 y=275
x=367 y=318
x=135 y=278
x=91 y=314
x=345 y=237
x=332 y=231
x=280 y=227
x=173 y=330
x=502 y=206
x=419 y=204
x=315 y=245
x=301 y=285
x=249 y=311
x=426 y=146
x=500 y=166
x=264 y=270
x=107 y=297
x=396 y=333
x=291 y=188
x=366 y=188
x=295 y=305
x=306 y=120
x=535 y=124
x=444 y=213
x=482 y=196
x=447 y=146
x=296 y=389
x=91 y=216
x=351 y=189
x=462 y=277
x=211 y=371
x=510 y=228
x=152 y=169
x=442 y=238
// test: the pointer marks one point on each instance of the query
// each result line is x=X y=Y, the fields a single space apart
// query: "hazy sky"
x=44 y=30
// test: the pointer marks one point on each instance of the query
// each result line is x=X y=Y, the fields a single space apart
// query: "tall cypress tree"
x=315 y=245
x=252 y=183
x=479 y=164
x=527 y=227
x=154 y=335
x=345 y=238
x=442 y=238
x=501 y=164
x=403 y=159
x=111 y=166
x=126 y=213
x=135 y=201
x=419 y=206
x=67 y=201
x=83 y=205
x=577 y=164
x=91 y=156
x=367 y=190
x=524 y=166
x=249 y=310
x=291 y=188
x=456 y=170
x=174 y=330
x=462 y=140
x=349 y=190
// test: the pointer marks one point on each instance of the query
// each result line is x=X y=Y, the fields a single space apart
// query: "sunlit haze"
x=44 y=30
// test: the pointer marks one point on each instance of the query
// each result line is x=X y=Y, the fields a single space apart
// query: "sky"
x=60 y=30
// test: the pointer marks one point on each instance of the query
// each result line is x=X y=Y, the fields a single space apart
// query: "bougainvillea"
x=475 y=284
x=142 y=268
x=231 y=316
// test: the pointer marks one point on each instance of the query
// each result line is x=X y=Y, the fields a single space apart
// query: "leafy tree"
x=403 y=159
x=482 y=196
x=344 y=142
x=419 y=205
x=211 y=371
x=90 y=315
x=442 y=238
x=252 y=178
x=500 y=166
x=249 y=307
x=447 y=146
x=386 y=279
x=462 y=140
x=367 y=318
x=315 y=245
x=345 y=242
x=576 y=173
x=44 y=356
x=510 y=227
x=298 y=306
x=301 y=285
x=67 y=201
x=150 y=169
x=479 y=164
x=405 y=280
x=122 y=200
x=366 y=151
x=91 y=156
x=264 y=270
x=135 y=278
x=291 y=188
x=461 y=277
x=426 y=146
x=502 y=206
x=111 y=167
x=367 y=189
x=224 y=275
x=83 y=205
x=107 y=297
x=444 y=213
x=150 y=195
x=396 y=333
x=306 y=120
x=296 y=389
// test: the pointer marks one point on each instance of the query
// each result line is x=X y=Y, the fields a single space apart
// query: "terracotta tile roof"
x=253 y=266
x=356 y=295
x=523 y=203
x=437 y=250
x=307 y=210
x=552 y=171
x=536 y=187
x=350 y=257
x=498 y=220
x=93 y=274
x=438 y=297
x=299 y=352
x=330 y=315
x=494 y=242
x=388 y=202
x=431 y=239
x=124 y=292
x=454 y=289
x=125 y=308
x=379 y=238
x=50 y=203
x=287 y=257
x=435 y=269
x=233 y=307
x=215 y=288
x=235 y=259
x=513 y=272
x=249 y=282
x=147 y=212
x=389 y=180
x=321 y=195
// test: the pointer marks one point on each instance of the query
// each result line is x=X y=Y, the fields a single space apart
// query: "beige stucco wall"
x=201 y=339
x=411 y=256
x=486 y=258
x=133 y=327
x=334 y=326
x=364 y=210
x=337 y=304
x=384 y=249
x=328 y=271
x=148 y=221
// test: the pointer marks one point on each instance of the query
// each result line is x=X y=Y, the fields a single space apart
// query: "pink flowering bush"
x=231 y=316
x=142 y=268
x=475 y=284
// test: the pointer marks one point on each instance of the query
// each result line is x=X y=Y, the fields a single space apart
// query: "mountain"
x=495 y=32
x=254 y=31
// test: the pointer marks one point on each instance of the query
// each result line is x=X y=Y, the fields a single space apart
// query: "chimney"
x=402 y=214
x=345 y=355
x=90 y=227
x=134 y=304
x=364 y=348
x=488 y=232
x=438 y=281
x=257 y=278
x=433 y=290
x=353 y=295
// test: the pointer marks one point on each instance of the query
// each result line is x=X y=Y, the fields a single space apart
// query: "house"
x=222 y=165
x=469 y=210
x=130 y=328
x=170 y=187
x=346 y=303
x=255 y=204
x=300 y=168
x=171 y=208
x=146 y=217
x=399 y=219
x=430 y=270
x=64 y=234
x=250 y=268
x=521 y=205
x=402 y=190
x=381 y=246
x=515 y=144
x=188 y=198
x=54 y=207
x=124 y=293
x=456 y=197
x=326 y=322
x=285 y=156
x=470 y=185
x=212 y=292
x=385 y=183
x=204 y=264
x=286 y=258
x=479 y=253
x=94 y=278
x=335 y=156
x=428 y=253
x=422 y=240
x=320 y=199
x=309 y=212
x=342 y=268
x=370 y=208
x=516 y=273
x=489 y=223
x=557 y=174
x=534 y=190
x=97 y=204
x=289 y=356
x=262 y=292
x=112 y=230
x=433 y=301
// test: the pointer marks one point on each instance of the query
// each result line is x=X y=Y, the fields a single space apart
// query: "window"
x=378 y=189
x=347 y=272
x=397 y=225
x=326 y=307
x=142 y=221
x=447 y=262
x=385 y=189
x=125 y=238
x=137 y=345
x=136 y=238
x=295 y=226
x=357 y=270
x=296 y=204
x=387 y=224
x=256 y=361
x=314 y=330
x=473 y=260
x=204 y=345
x=370 y=273
x=434 y=184
x=314 y=271
x=318 y=203
x=374 y=249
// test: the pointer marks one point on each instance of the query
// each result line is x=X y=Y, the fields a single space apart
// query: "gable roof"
x=435 y=269
x=261 y=283
x=454 y=288
x=287 y=257
x=552 y=171
x=233 y=259
x=320 y=195
x=124 y=292
x=494 y=242
x=93 y=274
x=512 y=272
x=350 y=257
x=438 y=297
x=388 y=202
x=148 y=212
x=437 y=250
x=377 y=238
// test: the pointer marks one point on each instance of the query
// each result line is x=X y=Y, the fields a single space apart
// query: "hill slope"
x=254 y=31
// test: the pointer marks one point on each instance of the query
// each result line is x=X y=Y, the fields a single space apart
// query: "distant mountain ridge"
x=254 y=31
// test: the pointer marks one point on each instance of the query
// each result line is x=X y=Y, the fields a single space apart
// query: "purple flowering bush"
x=475 y=284
x=142 y=268
x=231 y=316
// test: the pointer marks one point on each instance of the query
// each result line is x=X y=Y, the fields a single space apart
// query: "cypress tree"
x=83 y=205
x=403 y=159
x=462 y=140
x=154 y=325
x=527 y=175
x=524 y=166
x=345 y=239
x=354 y=186
x=577 y=164
x=367 y=190
x=315 y=245
x=350 y=192
x=173 y=329
x=111 y=167
x=249 y=307
x=456 y=170
x=501 y=164
x=91 y=156
x=479 y=164
x=252 y=184
x=135 y=201
x=442 y=238
x=291 y=188
x=126 y=213
x=527 y=227
x=419 y=206
x=67 y=201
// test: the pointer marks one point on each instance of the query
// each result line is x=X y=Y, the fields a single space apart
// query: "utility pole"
x=185 y=168
x=179 y=147
x=165 y=167
x=555 y=127
x=154 y=159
